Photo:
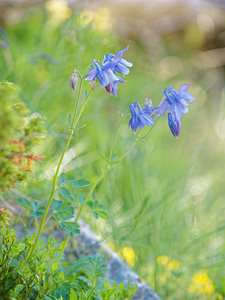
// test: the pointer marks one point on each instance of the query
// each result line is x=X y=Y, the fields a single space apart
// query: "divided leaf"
x=98 y=209
x=37 y=209
x=63 y=212
x=78 y=183
x=56 y=204
x=70 y=227
x=65 y=193
x=25 y=203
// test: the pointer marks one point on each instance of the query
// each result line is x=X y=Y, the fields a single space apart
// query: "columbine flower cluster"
x=174 y=102
x=106 y=73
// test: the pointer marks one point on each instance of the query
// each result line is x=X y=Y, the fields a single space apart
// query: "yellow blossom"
x=112 y=246
x=103 y=20
x=162 y=260
x=100 y=19
x=201 y=284
x=173 y=265
x=87 y=16
x=59 y=11
x=129 y=255
x=220 y=297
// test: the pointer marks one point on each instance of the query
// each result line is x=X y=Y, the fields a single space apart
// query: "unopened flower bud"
x=174 y=124
x=73 y=80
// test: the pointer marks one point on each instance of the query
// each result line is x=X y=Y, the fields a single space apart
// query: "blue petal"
x=177 y=108
x=184 y=106
x=133 y=123
x=103 y=79
x=114 y=88
x=126 y=63
x=115 y=60
x=92 y=74
x=187 y=97
x=162 y=108
x=121 y=80
x=146 y=119
x=140 y=125
x=184 y=88
x=111 y=75
x=120 y=68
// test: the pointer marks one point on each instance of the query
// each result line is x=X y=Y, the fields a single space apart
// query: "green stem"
x=138 y=139
x=91 y=191
x=74 y=123
x=36 y=223
x=116 y=134
x=82 y=207
x=109 y=166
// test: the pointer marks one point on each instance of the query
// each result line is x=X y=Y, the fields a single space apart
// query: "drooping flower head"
x=176 y=102
x=140 y=117
x=106 y=72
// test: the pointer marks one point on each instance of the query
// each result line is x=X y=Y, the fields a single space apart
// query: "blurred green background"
x=166 y=200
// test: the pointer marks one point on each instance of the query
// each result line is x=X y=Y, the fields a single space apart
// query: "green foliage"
x=41 y=278
x=78 y=183
x=87 y=275
x=167 y=203
x=97 y=209
x=18 y=133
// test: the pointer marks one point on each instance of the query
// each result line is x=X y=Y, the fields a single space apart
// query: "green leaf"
x=65 y=193
x=81 y=126
x=62 y=179
x=37 y=209
x=56 y=204
x=36 y=213
x=78 y=183
x=25 y=203
x=101 y=213
x=19 y=288
x=97 y=209
x=54 y=267
x=81 y=198
x=70 y=227
x=64 y=212
x=36 y=206
x=73 y=295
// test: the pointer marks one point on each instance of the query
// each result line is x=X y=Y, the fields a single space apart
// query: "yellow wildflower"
x=87 y=16
x=112 y=246
x=103 y=20
x=100 y=19
x=201 y=284
x=173 y=265
x=129 y=255
x=220 y=297
x=162 y=260
x=59 y=11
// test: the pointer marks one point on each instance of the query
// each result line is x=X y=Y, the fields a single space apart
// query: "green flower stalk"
x=73 y=127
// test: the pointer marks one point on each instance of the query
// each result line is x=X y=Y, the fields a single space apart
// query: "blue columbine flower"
x=140 y=117
x=176 y=101
x=122 y=66
x=106 y=72
x=174 y=124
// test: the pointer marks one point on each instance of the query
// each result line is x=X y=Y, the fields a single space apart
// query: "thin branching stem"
x=74 y=124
